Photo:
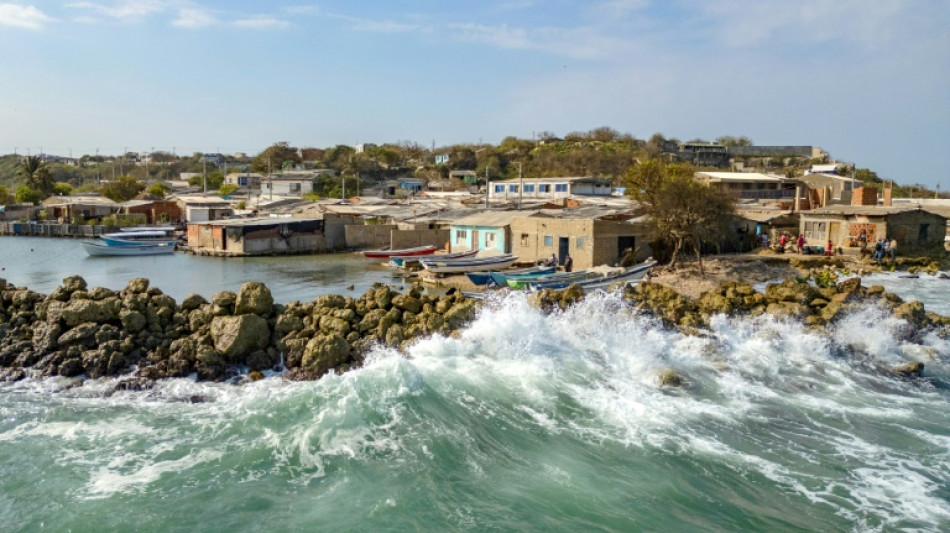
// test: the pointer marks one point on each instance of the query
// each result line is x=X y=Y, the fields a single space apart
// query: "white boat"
x=630 y=276
x=137 y=237
x=94 y=248
x=474 y=264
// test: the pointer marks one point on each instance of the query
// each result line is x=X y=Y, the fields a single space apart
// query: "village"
x=589 y=219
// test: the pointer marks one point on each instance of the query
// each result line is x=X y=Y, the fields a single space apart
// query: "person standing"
x=801 y=243
x=893 y=249
x=830 y=248
x=568 y=263
x=553 y=260
x=783 y=240
x=879 y=251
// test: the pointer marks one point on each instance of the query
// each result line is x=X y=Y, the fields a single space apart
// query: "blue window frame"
x=512 y=188
x=529 y=188
x=499 y=188
x=548 y=240
x=560 y=187
x=544 y=188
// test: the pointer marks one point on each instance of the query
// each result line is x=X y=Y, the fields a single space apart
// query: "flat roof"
x=256 y=221
x=491 y=218
x=554 y=180
x=743 y=177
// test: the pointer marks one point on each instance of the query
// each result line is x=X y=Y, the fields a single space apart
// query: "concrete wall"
x=368 y=236
x=419 y=237
x=914 y=230
x=864 y=196
x=490 y=238
x=590 y=242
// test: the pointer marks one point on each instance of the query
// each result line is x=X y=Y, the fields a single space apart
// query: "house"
x=547 y=188
x=441 y=159
x=204 y=208
x=154 y=211
x=487 y=231
x=468 y=176
x=266 y=236
x=751 y=224
x=751 y=185
x=246 y=180
x=72 y=209
x=592 y=239
x=701 y=154
x=914 y=227
x=837 y=187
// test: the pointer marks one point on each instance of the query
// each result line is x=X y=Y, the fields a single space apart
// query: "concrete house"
x=266 y=236
x=751 y=185
x=915 y=228
x=590 y=239
x=204 y=208
x=487 y=231
x=154 y=211
x=246 y=180
x=548 y=188
x=69 y=208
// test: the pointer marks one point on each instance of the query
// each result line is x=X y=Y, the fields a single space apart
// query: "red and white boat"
x=410 y=252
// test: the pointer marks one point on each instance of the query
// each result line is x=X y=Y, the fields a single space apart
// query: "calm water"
x=524 y=422
x=41 y=264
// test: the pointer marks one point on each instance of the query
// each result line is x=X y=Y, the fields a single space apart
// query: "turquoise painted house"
x=486 y=231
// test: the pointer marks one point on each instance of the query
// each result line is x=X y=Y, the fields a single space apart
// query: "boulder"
x=236 y=336
x=137 y=286
x=84 y=333
x=323 y=353
x=224 y=303
x=193 y=301
x=74 y=283
x=667 y=377
x=253 y=298
x=132 y=321
x=407 y=303
x=913 y=369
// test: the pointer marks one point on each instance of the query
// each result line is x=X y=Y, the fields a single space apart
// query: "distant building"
x=247 y=180
x=751 y=185
x=214 y=159
x=468 y=176
x=363 y=147
x=811 y=152
x=267 y=236
x=548 y=188
x=699 y=153
x=71 y=208
x=915 y=228
x=441 y=159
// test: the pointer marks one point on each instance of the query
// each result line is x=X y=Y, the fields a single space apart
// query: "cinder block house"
x=267 y=236
x=915 y=228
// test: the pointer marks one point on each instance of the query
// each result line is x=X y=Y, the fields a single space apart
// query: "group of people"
x=784 y=243
x=885 y=248
x=568 y=262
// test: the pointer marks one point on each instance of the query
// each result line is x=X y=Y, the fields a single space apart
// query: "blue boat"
x=137 y=238
x=499 y=278
x=632 y=275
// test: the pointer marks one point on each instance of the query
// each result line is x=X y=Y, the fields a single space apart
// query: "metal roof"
x=256 y=221
x=743 y=177
x=491 y=218
x=867 y=210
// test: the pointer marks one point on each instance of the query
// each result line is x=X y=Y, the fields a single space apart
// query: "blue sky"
x=867 y=80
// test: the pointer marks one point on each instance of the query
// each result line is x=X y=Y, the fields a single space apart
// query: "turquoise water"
x=524 y=422
x=42 y=263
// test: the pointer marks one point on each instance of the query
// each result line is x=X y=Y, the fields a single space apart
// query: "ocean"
x=523 y=422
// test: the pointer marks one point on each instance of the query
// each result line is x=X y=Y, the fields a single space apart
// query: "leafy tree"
x=5 y=196
x=867 y=176
x=122 y=189
x=683 y=210
x=27 y=195
x=62 y=189
x=158 y=190
x=37 y=175
x=274 y=158
x=214 y=180
x=728 y=140
x=227 y=189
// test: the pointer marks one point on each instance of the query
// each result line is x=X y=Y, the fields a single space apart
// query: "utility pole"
x=487 y=192
x=204 y=173
x=520 y=185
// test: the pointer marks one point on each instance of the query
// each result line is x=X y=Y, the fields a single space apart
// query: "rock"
x=254 y=298
x=256 y=375
x=849 y=286
x=137 y=286
x=287 y=323
x=407 y=303
x=668 y=377
x=237 y=336
x=329 y=301
x=331 y=325
x=224 y=302
x=323 y=353
x=788 y=309
x=913 y=313
x=70 y=367
x=383 y=297
x=74 y=283
x=913 y=369
x=132 y=321
x=193 y=301
x=83 y=333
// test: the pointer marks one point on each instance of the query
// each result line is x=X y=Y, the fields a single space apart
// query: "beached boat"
x=404 y=261
x=137 y=237
x=593 y=280
x=555 y=278
x=386 y=254
x=460 y=266
x=95 y=248
x=489 y=277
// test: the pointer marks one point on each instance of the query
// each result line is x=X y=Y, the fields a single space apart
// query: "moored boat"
x=460 y=266
x=630 y=276
x=137 y=237
x=386 y=254
x=404 y=261
x=94 y=248
x=519 y=282
x=500 y=278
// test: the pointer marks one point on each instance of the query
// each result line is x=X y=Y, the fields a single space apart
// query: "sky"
x=866 y=80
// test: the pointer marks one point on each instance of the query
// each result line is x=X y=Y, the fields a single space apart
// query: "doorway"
x=563 y=248
x=624 y=244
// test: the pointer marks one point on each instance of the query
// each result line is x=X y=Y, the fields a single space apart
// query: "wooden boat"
x=137 y=237
x=630 y=276
x=500 y=279
x=516 y=282
x=404 y=261
x=420 y=250
x=594 y=281
x=459 y=266
x=94 y=248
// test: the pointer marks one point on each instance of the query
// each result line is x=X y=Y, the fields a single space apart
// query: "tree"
x=37 y=175
x=683 y=210
x=158 y=190
x=729 y=140
x=213 y=180
x=122 y=189
x=227 y=189
x=62 y=189
x=28 y=195
x=5 y=196
x=274 y=157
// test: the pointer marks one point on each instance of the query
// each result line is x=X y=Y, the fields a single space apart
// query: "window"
x=529 y=188
x=489 y=240
x=524 y=239
x=512 y=188
x=580 y=243
x=242 y=181
x=560 y=187
x=294 y=187
x=499 y=188
x=269 y=185
x=461 y=235
x=544 y=188
x=548 y=240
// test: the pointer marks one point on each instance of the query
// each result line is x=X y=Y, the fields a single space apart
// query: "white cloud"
x=194 y=18
x=122 y=10
x=260 y=22
x=376 y=26
x=301 y=10
x=22 y=16
x=621 y=8
x=579 y=43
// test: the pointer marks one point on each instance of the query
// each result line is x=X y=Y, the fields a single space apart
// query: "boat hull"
x=381 y=254
x=403 y=261
x=96 y=249
x=461 y=266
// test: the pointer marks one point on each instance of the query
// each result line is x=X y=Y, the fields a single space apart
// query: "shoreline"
x=142 y=335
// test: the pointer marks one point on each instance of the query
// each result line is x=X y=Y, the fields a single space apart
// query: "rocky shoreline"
x=141 y=334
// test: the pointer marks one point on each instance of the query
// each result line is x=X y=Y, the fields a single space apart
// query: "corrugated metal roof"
x=762 y=215
x=491 y=218
x=868 y=210
x=256 y=221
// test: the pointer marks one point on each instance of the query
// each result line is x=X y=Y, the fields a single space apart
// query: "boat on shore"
x=595 y=281
x=460 y=266
x=410 y=252
x=137 y=237
x=405 y=261
x=500 y=278
x=97 y=249
x=518 y=282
